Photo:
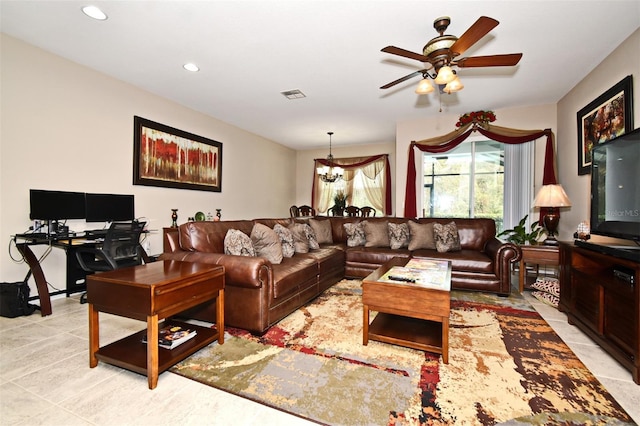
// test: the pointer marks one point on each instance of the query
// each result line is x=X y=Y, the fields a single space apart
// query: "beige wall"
x=528 y=118
x=67 y=127
x=621 y=62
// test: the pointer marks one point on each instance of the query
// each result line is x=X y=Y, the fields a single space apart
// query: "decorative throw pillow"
x=421 y=236
x=322 y=229
x=266 y=243
x=286 y=240
x=311 y=236
x=376 y=234
x=547 y=298
x=355 y=234
x=547 y=285
x=447 y=238
x=300 y=240
x=238 y=243
x=398 y=235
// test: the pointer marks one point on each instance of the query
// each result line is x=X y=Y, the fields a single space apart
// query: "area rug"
x=506 y=366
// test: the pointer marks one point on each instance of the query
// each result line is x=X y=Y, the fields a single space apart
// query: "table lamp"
x=551 y=197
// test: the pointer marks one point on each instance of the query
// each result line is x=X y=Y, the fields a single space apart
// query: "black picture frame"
x=168 y=157
x=606 y=117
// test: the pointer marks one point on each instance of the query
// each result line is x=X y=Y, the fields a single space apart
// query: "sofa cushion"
x=238 y=243
x=421 y=236
x=311 y=237
x=300 y=240
x=398 y=235
x=446 y=237
x=355 y=234
x=286 y=240
x=322 y=229
x=376 y=234
x=266 y=243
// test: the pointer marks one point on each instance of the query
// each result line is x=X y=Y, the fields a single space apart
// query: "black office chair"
x=120 y=248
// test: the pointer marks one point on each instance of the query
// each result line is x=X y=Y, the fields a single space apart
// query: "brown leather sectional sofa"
x=258 y=293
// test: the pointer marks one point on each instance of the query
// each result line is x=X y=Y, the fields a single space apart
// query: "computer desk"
x=24 y=242
x=75 y=274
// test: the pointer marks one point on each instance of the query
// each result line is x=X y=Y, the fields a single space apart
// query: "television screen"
x=56 y=205
x=615 y=192
x=109 y=207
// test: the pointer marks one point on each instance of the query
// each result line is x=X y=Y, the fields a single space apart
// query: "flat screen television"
x=109 y=207
x=56 y=205
x=615 y=187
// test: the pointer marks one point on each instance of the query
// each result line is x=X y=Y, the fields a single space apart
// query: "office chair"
x=367 y=211
x=120 y=248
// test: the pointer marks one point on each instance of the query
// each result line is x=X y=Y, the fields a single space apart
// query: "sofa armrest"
x=240 y=271
x=500 y=251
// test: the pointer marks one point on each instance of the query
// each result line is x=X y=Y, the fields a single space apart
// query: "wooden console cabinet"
x=600 y=295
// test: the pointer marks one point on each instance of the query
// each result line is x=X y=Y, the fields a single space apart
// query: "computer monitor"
x=56 y=205
x=109 y=207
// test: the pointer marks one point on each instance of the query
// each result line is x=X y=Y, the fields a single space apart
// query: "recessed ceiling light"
x=191 y=67
x=94 y=12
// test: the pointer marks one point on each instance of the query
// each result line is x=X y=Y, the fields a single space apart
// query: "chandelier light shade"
x=551 y=197
x=330 y=173
x=454 y=85
x=424 y=87
x=445 y=75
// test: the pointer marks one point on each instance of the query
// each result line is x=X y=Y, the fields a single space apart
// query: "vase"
x=174 y=218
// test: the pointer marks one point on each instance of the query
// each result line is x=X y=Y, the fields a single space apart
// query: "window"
x=467 y=181
x=364 y=183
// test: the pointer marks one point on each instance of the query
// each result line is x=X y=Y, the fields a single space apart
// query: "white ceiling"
x=250 y=51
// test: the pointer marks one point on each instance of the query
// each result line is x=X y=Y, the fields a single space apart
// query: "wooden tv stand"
x=601 y=296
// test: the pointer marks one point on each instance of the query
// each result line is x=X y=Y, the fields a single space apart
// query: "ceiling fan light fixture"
x=454 y=85
x=445 y=75
x=424 y=87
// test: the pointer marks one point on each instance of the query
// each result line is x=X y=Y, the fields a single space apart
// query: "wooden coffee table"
x=151 y=293
x=409 y=314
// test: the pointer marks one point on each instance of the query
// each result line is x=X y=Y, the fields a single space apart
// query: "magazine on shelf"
x=170 y=336
x=423 y=272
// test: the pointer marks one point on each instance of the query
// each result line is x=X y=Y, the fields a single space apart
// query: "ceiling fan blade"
x=401 y=79
x=507 y=60
x=478 y=30
x=405 y=53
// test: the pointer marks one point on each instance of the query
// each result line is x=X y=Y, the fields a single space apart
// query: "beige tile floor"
x=45 y=378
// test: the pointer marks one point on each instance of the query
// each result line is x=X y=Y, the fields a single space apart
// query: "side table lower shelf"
x=131 y=353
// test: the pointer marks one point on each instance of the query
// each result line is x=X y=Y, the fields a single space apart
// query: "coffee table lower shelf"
x=131 y=353
x=413 y=333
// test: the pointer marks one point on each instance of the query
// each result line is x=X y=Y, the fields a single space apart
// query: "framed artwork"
x=172 y=158
x=607 y=117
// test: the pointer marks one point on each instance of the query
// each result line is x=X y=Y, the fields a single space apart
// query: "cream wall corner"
x=621 y=62
x=67 y=127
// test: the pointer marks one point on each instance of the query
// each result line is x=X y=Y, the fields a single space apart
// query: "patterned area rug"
x=506 y=366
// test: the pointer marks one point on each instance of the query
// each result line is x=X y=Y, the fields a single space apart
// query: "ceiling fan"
x=442 y=53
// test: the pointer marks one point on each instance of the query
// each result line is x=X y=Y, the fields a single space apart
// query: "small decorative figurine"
x=218 y=214
x=174 y=218
x=583 y=231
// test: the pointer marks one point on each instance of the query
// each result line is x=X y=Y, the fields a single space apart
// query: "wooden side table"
x=538 y=254
x=151 y=293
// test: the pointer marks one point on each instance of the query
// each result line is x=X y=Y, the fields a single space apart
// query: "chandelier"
x=329 y=173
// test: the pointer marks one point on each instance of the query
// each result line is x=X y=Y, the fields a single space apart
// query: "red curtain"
x=337 y=162
x=446 y=142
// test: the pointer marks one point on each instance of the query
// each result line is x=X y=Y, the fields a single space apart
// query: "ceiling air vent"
x=293 y=94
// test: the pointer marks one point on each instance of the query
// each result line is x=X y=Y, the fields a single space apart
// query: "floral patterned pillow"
x=446 y=236
x=355 y=234
x=311 y=236
x=300 y=240
x=238 y=243
x=398 y=235
x=286 y=240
